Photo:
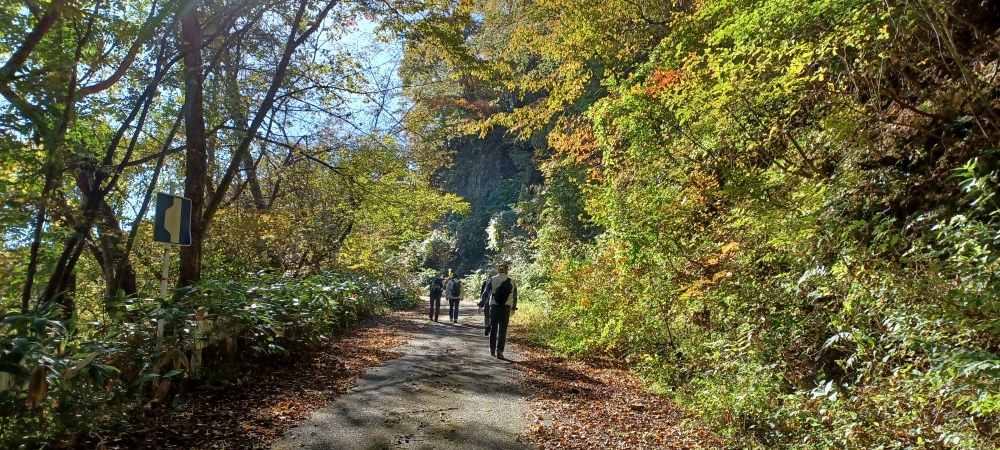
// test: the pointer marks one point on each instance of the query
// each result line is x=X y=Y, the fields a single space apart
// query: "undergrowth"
x=62 y=379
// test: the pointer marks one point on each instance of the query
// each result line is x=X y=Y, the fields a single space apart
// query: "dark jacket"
x=484 y=295
x=436 y=288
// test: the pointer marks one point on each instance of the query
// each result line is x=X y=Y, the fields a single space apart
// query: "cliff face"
x=491 y=174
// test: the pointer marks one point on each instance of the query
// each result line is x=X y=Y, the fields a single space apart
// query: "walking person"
x=484 y=300
x=436 y=287
x=503 y=303
x=454 y=293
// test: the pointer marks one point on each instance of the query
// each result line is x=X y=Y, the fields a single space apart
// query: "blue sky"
x=379 y=59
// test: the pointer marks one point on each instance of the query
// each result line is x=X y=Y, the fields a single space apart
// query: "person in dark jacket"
x=503 y=304
x=436 y=288
x=484 y=300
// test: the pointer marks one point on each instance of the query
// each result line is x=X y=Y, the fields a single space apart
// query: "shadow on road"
x=446 y=392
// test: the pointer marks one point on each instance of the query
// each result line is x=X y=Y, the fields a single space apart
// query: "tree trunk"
x=125 y=271
x=196 y=163
x=69 y=300
x=250 y=168
x=36 y=240
x=114 y=239
x=117 y=270
x=90 y=181
x=295 y=39
x=240 y=119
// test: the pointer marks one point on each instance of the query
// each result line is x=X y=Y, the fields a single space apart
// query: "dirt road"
x=447 y=392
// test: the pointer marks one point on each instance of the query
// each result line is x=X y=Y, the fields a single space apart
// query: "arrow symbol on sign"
x=172 y=220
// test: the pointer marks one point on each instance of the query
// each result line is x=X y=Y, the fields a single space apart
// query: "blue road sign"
x=172 y=223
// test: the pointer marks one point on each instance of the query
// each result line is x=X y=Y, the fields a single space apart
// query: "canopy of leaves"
x=287 y=111
x=781 y=212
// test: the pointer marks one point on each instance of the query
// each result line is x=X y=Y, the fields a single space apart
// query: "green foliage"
x=108 y=369
x=355 y=210
x=309 y=176
x=43 y=363
x=782 y=213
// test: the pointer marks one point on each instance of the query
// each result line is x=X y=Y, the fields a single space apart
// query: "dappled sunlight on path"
x=446 y=392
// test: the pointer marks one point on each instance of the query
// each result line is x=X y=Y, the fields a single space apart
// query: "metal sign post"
x=165 y=274
x=171 y=226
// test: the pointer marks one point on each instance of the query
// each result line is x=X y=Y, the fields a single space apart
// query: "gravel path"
x=447 y=392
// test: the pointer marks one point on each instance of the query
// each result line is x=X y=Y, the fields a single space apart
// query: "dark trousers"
x=486 y=318
x=435 y=307
x=453 y=308
x=499 y=318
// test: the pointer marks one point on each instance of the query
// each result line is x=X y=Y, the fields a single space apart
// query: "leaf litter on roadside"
x=267 y=400
x=596 y=403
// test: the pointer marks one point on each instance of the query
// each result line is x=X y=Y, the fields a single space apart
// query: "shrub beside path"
x=446 y=392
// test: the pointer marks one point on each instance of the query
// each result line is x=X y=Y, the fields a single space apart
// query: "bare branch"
x=291 y=46
x=164 y=152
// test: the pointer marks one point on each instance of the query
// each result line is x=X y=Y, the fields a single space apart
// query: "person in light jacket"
x=454 y=292
x=503 y=304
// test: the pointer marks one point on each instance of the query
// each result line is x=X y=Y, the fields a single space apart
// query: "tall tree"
x=196 y=154
x=46 y=100
x=191 y=257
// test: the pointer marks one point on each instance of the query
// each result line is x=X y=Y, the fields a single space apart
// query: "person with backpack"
x=454 y=293
x=484 y=300
x=436 y=287
x=503 y=304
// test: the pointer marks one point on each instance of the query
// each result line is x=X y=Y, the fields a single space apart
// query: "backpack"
x=436 y=285
x=502 y=292
x=454 y=288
